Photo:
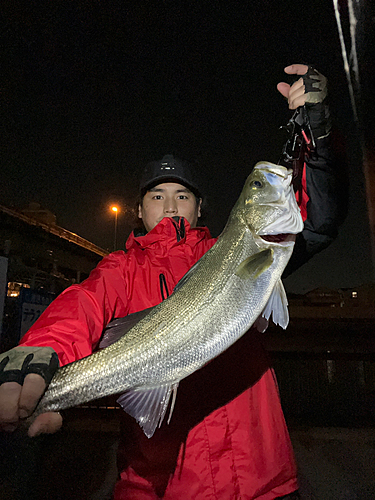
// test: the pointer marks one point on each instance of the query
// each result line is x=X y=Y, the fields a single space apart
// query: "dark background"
x=92 y=90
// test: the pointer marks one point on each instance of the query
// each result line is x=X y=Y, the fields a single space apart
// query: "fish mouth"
x=283 y=238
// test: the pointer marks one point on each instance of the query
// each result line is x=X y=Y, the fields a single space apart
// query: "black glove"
x=315 y=86
x=22 y=360
x=316 y=103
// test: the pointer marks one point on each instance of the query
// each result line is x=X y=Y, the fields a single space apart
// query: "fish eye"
x=256 y=184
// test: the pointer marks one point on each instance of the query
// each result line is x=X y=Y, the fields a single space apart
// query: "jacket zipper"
x=163 y=286
x=179 y=226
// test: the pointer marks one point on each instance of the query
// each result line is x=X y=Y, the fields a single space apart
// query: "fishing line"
x=353 y=53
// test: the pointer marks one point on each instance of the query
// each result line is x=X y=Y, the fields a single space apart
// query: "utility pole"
x=115 y=209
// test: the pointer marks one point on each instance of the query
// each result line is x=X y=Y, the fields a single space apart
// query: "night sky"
x=93 y=90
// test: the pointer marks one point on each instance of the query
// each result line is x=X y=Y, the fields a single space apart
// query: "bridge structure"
x=38 y=260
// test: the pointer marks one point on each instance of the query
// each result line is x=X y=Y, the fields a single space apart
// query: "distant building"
x=41 y=257
x=358 y=302
x=41 y=253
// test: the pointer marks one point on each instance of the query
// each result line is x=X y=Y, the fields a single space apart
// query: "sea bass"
x=213 y=305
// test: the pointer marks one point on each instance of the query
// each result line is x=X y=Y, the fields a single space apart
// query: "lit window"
x=14 y=288
x=354 y=295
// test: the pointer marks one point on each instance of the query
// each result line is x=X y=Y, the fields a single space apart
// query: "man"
x=227 y=438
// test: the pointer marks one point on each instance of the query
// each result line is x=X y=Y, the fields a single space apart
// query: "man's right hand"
x=24 y=374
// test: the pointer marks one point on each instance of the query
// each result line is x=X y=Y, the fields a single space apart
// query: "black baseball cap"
x=167 y=169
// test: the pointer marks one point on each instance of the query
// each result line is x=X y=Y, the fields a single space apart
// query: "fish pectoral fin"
x=149 y=405
x=277 y=305
x=255 y=265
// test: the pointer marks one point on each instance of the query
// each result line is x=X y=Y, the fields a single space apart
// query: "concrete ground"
x=335 y=463
x=76 y=464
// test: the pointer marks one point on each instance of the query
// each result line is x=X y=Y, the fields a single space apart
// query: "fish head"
x=269 y=203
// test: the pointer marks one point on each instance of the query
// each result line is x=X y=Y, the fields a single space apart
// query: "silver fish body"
x=215 y=303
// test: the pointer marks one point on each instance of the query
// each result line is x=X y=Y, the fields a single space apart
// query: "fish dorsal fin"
x=186 y=276
x=148 y=406
x=119 y=326
x=256 y=264
x=277 y=305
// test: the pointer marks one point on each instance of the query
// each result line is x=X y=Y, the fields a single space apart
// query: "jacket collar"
x=169 y=231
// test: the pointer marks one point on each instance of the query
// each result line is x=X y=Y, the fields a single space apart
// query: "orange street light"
x=116 y=210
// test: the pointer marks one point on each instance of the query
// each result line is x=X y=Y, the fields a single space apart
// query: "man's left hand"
x=294 y=93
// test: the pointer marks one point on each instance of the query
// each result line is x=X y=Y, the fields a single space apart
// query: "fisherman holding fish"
x=227 y=438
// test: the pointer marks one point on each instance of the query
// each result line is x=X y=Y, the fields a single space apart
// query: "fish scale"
x=216 y=302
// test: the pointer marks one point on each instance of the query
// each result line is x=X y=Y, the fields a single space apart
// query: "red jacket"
x=227 y=438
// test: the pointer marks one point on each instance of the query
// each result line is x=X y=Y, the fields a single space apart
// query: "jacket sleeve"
x=324 y=185
x=73 y=323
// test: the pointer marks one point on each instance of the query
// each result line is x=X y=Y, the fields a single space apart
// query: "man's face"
x=168 y=200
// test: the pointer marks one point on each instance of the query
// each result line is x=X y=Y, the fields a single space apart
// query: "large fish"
x=213 y=305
